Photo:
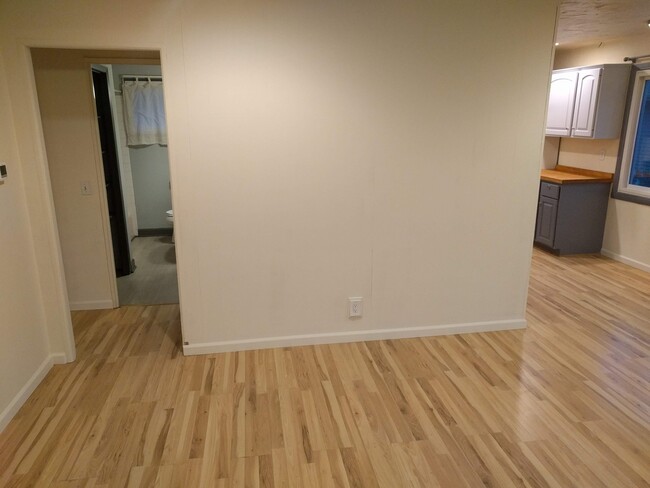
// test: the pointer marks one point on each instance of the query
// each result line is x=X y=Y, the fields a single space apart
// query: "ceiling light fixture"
x=649 y=23
x=557 y=43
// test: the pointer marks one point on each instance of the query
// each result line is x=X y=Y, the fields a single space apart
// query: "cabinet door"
x=584 y=115
x=546 y=220
x=560 y=103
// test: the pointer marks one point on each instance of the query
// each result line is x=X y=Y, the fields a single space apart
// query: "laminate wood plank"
x=563 y=403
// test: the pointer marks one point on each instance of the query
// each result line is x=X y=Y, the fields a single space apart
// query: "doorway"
x=145 y=179
x=88 y=162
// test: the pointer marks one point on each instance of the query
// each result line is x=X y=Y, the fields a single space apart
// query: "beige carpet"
x=154 y=280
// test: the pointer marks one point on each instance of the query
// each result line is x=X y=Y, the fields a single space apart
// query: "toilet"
x=170 y=218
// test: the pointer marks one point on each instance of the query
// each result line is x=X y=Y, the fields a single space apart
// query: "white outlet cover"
x=355 y=307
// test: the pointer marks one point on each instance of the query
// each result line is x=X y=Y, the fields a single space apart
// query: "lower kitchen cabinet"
x=571 y=217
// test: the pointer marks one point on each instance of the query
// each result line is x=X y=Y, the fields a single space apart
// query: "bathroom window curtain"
x=144 y=113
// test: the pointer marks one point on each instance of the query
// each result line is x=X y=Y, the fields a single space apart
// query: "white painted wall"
x=150 y=170
x=137 y=69
x=24 y=348
x=346 y=151
x=149 y=166
x=387 y=150
x=627 y=230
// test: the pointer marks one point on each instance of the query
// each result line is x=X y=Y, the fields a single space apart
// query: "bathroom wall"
x=627 y=229
x=149 y=167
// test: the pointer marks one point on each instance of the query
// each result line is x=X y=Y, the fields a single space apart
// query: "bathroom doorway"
x=116 y=246
x=145 y=179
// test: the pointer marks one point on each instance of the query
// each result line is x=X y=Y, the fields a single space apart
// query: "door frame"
x=101 y=191
x=31 y=146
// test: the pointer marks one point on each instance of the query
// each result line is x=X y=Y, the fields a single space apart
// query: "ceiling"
x=589 y=21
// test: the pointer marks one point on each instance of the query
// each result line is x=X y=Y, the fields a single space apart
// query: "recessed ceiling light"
x=557 y=43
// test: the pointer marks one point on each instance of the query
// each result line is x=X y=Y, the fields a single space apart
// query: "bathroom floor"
x=154 y=280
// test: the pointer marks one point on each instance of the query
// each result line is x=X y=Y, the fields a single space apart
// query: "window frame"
x=621 y=189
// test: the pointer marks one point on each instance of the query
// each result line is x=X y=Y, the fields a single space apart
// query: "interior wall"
x=321 y=152
x=348 y=151
x=627 y=230
x=149 y=167
x=550 y=152
x=24 y=349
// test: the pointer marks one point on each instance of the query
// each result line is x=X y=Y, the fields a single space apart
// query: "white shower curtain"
x=144 y=113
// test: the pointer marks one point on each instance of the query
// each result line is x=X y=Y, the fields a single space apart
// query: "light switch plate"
x=86 y=189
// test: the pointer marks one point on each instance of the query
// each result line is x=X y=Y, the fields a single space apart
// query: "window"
x=632 y=181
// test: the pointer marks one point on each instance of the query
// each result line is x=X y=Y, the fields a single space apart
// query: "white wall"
x=385 y=150
x=149 y=167
x=349 y=151
x=150 y=170
x=627 y=230
x=134 y=69
x=24 y=349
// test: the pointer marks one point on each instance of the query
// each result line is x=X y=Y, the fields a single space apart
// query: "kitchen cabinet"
x=561 y=103
x=571 y=212
x=588 y=102
x=546 y=221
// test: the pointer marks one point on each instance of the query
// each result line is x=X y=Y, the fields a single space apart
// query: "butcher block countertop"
x=565 y=175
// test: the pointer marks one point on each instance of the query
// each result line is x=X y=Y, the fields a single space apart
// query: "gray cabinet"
x=571 y=217
x=546 y=220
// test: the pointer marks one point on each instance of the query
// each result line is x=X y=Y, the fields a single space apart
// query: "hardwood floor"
x=563 y=403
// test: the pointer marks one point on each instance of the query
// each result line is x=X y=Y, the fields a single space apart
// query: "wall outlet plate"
x=355 y=307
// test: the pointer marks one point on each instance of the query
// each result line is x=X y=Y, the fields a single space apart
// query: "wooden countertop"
x=568 y=175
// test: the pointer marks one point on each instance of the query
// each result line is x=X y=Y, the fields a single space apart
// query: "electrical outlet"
x=602 y=154
x=355 y=307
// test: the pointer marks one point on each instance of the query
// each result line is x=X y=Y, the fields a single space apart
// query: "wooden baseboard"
x=161 y=231
x=351 y=336
x=92 y=305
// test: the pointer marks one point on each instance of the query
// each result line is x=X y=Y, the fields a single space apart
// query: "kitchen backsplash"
x=599 y=155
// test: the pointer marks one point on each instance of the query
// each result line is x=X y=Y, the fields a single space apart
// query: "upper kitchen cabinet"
x=561 y=102
x=588 y=102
